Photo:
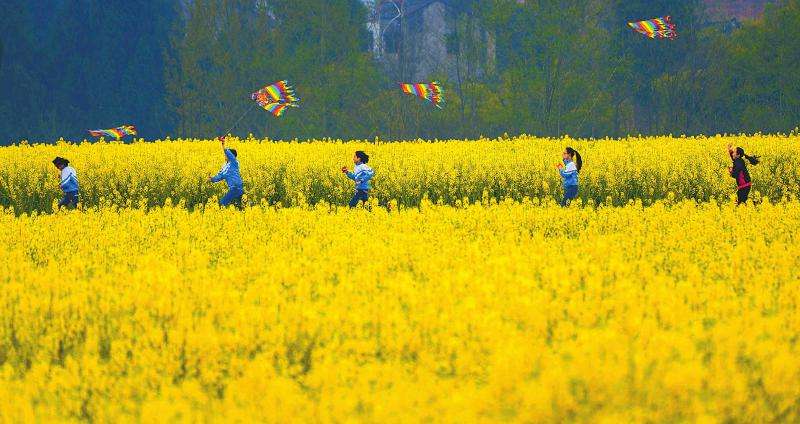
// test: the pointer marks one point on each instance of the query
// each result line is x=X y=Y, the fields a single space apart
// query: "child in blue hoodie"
x=569 y=173
x=361 y=174
x=68 y=183
x=230 y=173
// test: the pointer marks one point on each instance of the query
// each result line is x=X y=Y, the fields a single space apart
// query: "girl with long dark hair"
x=569 y=173
x=740 y=173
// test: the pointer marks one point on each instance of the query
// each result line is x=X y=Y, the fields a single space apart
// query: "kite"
x=275 y=98
x=655 y=28
x=431 y=92
x=117 y=133
x=277 y=109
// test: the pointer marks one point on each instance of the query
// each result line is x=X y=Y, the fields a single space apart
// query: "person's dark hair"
x=754 y=160
x=577 y=157
x=234 y=153
x=59 y=161
x=363 y=156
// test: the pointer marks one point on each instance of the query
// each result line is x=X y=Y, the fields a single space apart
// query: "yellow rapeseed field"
x=449 y=172
x=519 y=312
x=475 y=299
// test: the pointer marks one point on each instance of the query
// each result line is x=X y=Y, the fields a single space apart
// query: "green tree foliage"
x=231 y=48
x=649 y=73
x=82 y=64
x=757 y=83
x=22 y=87
x=554 y=67
x=187 y=68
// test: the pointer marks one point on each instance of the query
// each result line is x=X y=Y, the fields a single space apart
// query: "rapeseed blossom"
x=495 y=311
x=453 y=172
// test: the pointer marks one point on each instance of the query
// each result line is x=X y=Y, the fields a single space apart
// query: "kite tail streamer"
x=117 y=133
x=431 y=92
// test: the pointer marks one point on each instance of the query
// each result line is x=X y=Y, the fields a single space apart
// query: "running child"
x=68 y=183
x=230 y=173
x=569 y=173
x=740 y=173
x=362 y=174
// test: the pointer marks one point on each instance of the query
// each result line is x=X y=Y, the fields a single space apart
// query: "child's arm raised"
x=227 y=152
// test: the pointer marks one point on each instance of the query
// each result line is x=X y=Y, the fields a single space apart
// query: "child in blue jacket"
x=569 y=173
x=230 y=173
x=362 y=174
x=68 y=183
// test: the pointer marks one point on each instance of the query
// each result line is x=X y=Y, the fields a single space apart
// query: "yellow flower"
x=151 y=303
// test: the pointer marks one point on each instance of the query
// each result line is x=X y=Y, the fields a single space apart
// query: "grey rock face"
x=421 y=41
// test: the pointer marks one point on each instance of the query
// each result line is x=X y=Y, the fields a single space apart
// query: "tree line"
x=186 y=69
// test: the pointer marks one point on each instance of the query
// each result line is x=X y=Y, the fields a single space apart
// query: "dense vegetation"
x=491 y=313
x=454 y=172
x=572 y=67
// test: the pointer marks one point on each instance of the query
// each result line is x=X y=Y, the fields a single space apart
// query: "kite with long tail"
x=431 y=92
x=117 y=133
x=276 y=97
x=656 y=28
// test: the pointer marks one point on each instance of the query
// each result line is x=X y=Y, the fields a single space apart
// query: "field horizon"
x=452 y=172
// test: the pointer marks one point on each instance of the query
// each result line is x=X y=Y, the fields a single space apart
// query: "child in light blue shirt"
x=569 y=173
x=230 y=173
x=362 y=174
x=68 y=183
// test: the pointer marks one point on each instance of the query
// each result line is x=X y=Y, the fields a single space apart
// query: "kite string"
x=596 y=99
x=399 y=15
x=239 y=120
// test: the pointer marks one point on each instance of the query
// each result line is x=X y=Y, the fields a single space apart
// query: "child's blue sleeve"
x=229 y=155
x=217 y=178
x=351 y=175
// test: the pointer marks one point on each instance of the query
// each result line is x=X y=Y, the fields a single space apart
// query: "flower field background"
x=495 y=305
x=451 y=172
x=512 y=312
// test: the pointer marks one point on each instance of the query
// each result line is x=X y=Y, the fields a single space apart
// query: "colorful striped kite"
x=277 y=109
x=655 y=28
x=279 y=92
x=117 y=133
x=431 y=92
x=275 y=98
